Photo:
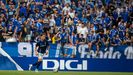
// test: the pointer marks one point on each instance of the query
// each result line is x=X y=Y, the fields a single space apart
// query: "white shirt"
x=51 y=22
x=83 y=30
x=66 y=9
x=72 y=14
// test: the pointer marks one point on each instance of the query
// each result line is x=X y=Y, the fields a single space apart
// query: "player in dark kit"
x=41 y=48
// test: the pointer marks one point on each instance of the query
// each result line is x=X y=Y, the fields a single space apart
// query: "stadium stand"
x=92 y=22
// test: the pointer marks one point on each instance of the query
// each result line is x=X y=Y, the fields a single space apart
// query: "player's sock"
x=39 y=63
x=35 y=64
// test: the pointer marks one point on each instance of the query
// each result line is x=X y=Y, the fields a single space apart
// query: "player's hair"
x=42 y=34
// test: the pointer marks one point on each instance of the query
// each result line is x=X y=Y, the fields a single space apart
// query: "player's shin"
x=39 y=63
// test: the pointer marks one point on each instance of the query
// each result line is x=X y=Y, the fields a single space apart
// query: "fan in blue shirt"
x=73 y=39
x=39 y=27
x=124 y=15
x=115 y=15
x=122 y=29
x=117 y=40
x=58 y=21
x=113 y=32
x=23 y=10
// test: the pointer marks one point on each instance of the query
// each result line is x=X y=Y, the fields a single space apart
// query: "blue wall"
x=114 y=59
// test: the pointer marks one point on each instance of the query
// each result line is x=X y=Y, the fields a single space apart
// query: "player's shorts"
x=40 y=55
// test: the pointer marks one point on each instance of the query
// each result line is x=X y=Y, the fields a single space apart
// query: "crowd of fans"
x=99 y=22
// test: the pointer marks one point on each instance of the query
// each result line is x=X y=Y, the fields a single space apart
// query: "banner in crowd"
x=118 y=58
x=81 y=51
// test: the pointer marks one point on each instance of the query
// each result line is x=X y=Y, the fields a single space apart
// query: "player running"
x=41 y=48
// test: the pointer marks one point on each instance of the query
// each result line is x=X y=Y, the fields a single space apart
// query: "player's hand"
x=36 y=53
x=46 y=52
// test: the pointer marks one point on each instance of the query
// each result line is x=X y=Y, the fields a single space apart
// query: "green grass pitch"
x=61 y=73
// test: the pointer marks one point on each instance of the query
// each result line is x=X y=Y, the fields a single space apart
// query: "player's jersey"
x=42 y=46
